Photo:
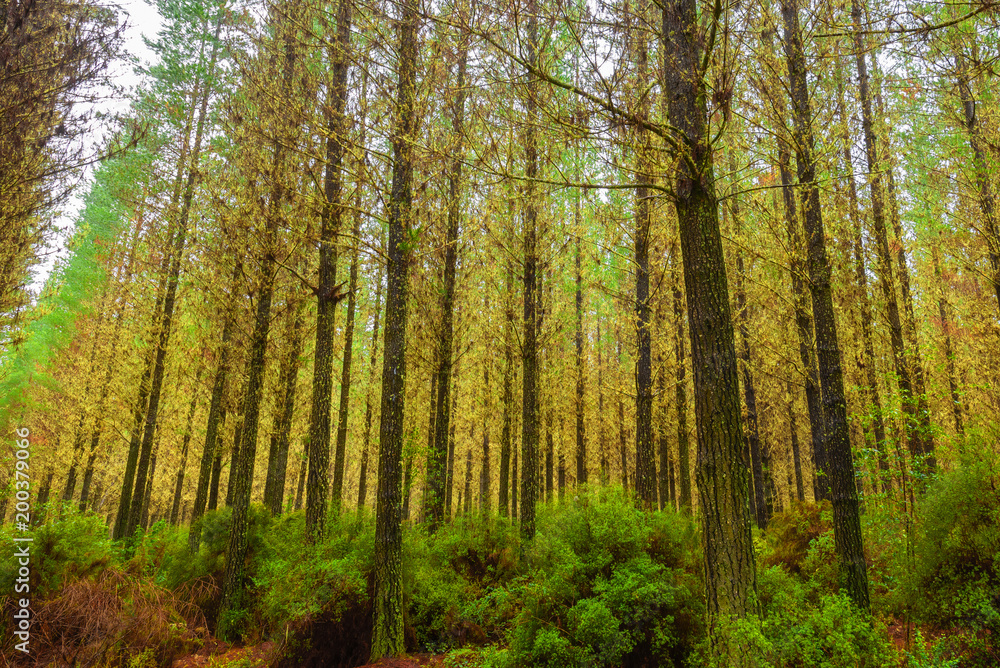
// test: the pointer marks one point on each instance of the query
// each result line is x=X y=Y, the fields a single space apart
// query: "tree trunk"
x=387 y=603
x=177 y=254
x=507 y=399
x=439 y=459
x=680 y=387
x=484 y=468
x=730 y=576
x=862 y=300
x=345 y=376
x=366 y=443
x=987 y=196
x=800 y=493
x=327 y=294
x=914 y=440
x=529 y=350
x=179 y=485
x=645 y=466
x=208 y=475
x=846 y=513
x=288 y=375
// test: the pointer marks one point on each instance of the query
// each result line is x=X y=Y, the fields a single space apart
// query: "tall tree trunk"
x=366 y=443
x=177 y=255
x=581 y=441
x=345 y=376
x=846 y=512
x=602 y=434
x=208 y=477
x=622 y=451
x=288 y=375
x=902 y=366
x=449 y=483
x=663 y=420
x=549 y=457
x=529 y=350
x=387 y=634
x=759 y=459
x=680 y=388
x=234 y=581
x=804 y=327
x=862 y=299
x=179 y=484
x=327 y=292
x=987 y=195
x=800 y=493
x=723 y=484
x=484 y=468
x=507 y=399
x=439 y=458
x=645 y=466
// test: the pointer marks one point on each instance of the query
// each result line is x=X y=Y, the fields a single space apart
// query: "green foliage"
x=298 y=582
x=954 y=578
x=609 y=584
x=69 y=547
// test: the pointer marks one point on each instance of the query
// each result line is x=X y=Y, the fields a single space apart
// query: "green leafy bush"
x=610 y=585
x=953 y=579
x=71 y=546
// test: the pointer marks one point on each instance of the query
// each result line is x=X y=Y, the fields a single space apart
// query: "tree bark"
x=366 y=443
x=288 y=375
x=387 y=603
x=723 y=484
x=529 y=351
x=846 y=512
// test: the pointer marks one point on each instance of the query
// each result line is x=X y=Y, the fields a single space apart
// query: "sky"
x=143 y=20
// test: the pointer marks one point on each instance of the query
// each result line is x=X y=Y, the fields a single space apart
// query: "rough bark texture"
x=387 y=598
x=529 y=350
x=846 y=511
x=645 y=466
x=288 y=375
x=723 y=481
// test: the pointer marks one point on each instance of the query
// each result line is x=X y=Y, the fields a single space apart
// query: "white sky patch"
x=143 y=19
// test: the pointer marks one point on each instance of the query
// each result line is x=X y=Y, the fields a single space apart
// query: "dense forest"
x=520 y=333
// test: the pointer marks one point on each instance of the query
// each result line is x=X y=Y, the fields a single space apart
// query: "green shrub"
x=953 y=579
x=69 y=547
x=610 y=585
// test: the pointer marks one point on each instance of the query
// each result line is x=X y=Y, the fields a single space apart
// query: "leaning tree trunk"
x=177 y=255
x=345 y=376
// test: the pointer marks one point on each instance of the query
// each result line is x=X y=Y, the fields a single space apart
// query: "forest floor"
x=217 y=654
